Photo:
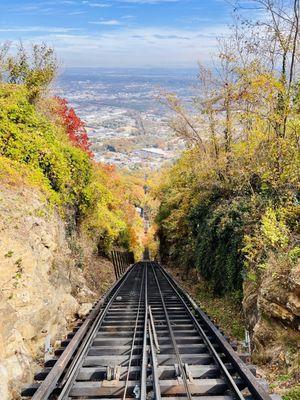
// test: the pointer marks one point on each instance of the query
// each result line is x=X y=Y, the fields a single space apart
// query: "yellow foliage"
x=274 y=229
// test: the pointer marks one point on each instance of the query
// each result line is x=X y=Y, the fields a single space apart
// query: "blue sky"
x=119 y=33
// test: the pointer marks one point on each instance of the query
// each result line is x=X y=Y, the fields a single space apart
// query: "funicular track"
x=146 y=339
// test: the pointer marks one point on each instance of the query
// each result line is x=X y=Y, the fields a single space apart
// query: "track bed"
x=146 y=340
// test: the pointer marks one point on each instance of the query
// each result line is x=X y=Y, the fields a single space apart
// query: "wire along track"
x=146 y=339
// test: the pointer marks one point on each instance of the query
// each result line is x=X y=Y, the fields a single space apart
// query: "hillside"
x=229 y=206
x=60 y=214
x=210 y=188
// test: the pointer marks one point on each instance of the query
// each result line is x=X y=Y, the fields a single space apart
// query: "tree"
x=4 y=48
x=273 y=38
x=35 y=68
x=75 y=127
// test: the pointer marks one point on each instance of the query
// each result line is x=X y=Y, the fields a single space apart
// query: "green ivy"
x=218 y=231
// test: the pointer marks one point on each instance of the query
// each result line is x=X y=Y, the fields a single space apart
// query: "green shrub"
x=292 y=394
x=218 y=231
x=28 y=137
x=36 y=151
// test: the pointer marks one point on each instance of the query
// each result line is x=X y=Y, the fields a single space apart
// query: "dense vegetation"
x=229 y=208
x=44 y=143
x=230 y=204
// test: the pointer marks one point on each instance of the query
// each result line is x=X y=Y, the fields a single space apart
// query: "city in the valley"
x=124 y=111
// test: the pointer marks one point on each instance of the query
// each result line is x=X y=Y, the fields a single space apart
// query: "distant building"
x=154 y=152
x=111 y=148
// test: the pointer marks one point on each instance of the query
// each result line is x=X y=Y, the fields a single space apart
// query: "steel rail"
x=134 y=335
x=143 y=390
x=256 y=390
x=208 y=343
x=143 y=346
x=155 y=377
x=50 y=383
x=173 y=339
x=77 y=362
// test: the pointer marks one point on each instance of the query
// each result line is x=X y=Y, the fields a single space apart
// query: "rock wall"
x=42 y=283
x=272 y=308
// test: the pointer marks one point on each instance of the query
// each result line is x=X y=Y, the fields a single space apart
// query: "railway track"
x=146 y=339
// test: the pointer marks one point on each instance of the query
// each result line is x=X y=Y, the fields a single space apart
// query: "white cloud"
x=69 y=2
x=41 y=29
x=96 y=5
x=132 y=47
x=77 y=12
x=111 y=22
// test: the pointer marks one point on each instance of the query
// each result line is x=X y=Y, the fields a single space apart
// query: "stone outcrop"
x=42 y=286
x=272 y=307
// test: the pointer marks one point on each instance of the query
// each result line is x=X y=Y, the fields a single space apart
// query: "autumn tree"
x=74 y=125
x=273 y=38
x=242 y=134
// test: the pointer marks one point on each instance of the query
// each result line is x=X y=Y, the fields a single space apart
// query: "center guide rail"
x=147 y=339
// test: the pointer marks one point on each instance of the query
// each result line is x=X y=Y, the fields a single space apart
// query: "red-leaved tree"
x=75 y=127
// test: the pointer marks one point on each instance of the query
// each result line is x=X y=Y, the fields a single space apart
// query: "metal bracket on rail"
x=188 y=372
x=113 y=372
x=178 y=374
x=137 y=391
x=177 y=370
x=112 y=376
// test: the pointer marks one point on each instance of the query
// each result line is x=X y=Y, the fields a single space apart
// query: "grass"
x=284 y=378
x=225 y=311
x=292 y=394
